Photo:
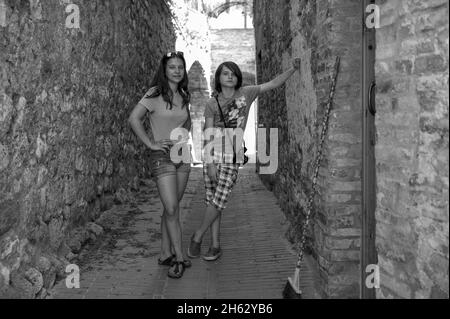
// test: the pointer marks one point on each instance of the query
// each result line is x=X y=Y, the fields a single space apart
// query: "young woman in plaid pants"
x=229 y=107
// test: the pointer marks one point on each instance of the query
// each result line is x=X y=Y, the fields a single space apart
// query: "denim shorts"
x=162 y=165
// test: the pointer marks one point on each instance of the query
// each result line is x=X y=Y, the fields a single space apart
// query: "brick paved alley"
x=355 y=125
x=256 y=262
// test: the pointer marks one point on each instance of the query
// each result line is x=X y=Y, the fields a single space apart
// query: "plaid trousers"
x=217 y=193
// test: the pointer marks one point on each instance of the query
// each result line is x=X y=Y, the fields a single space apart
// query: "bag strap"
x=221 y=113
x=224 y=122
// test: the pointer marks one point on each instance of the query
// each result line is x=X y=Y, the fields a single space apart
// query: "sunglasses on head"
x=174 y=54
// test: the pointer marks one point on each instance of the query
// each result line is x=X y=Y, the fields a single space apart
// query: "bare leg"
x=166 y=246
x=167 y=249
x=182 y=179
x=211 y=214
x=167 y=186
x=215 y=231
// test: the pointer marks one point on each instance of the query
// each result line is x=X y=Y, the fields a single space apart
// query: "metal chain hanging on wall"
x=309 y=205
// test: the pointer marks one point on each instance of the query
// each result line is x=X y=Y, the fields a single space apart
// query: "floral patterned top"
x=235 y=109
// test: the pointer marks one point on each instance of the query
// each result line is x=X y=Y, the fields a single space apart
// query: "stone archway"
x=214 y=10
x=220 y=8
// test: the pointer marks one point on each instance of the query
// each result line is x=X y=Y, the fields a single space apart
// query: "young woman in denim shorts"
x=167 y=102
x=220 y=173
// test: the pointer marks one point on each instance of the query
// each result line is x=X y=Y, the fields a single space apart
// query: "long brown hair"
x=161 y=83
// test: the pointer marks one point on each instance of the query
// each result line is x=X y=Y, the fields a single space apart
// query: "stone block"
x=337 y=243
x=6 y=114
x=345 y=232
x=349 y=290
x=35 y=278
x=339 y=198
x=94 y=228
x=345 y=255
x=56 y=231
x=346 y=221
x=430 y=64
x=23 y=287
x=400 y=289
x=9 y=216
x=4 y=157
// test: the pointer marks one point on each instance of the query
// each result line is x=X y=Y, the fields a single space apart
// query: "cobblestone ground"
x=256 y=259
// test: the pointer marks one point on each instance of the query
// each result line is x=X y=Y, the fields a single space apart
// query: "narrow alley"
x=349 y=109
x=257 y=258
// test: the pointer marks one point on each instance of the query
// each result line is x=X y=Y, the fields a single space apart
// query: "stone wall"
x=66 y=148
x=316 y=31
x=412 y=149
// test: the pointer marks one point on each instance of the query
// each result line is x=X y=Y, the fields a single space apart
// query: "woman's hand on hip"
x=163 y=145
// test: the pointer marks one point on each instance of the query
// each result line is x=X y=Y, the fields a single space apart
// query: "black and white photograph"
x=240 y=152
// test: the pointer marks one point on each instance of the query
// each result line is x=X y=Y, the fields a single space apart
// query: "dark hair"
x=234 y=68
x=161 y=83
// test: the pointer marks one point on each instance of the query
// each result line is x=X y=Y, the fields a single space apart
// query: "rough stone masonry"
x=66 y=150
x=412 y=149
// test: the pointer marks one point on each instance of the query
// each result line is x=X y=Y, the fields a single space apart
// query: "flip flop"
x=178 y=270
x=167 y=261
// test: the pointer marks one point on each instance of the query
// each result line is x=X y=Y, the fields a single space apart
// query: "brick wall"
x=316 y=31
x=412 y=149
x=65 y=145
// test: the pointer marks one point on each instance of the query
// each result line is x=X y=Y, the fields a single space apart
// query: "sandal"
x=177 y=269
x=167 y=261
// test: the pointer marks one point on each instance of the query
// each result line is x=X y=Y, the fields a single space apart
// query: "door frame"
x=368 y=250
